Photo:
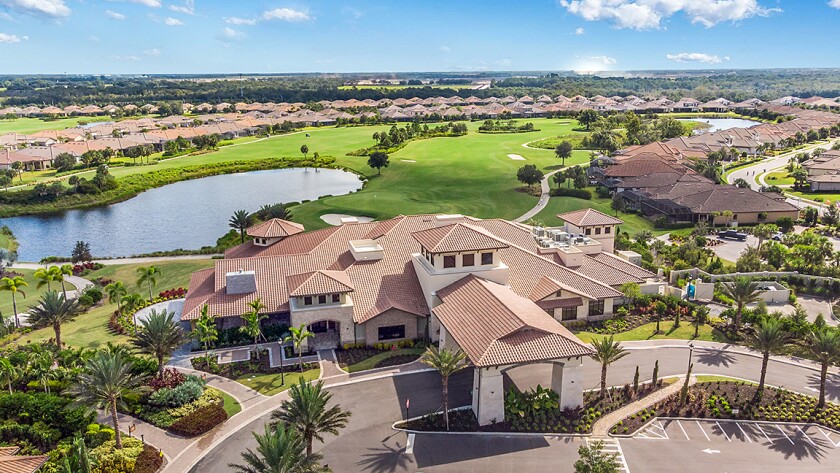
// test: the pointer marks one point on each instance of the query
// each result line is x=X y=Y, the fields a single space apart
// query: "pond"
x=718 y=124
x=186 y=214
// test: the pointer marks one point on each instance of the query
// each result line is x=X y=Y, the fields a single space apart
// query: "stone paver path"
x=602 y=426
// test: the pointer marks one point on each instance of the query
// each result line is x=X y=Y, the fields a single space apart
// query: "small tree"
x=593 y=459
x=655 y=378
x=240 y=221
x=742 y=291
x=564 y=151
x=447 y=363
x=306 y=411
x=607 y=352
x=763 y=232
x=252 y=320
x=588 y=117
x=148 y=275
x=54 y=310
x=617 y=203
x=81 y=252
x=684 y=389
x=631 y=291
x=700 y=315
x=659 y=308
x=298 y=336
x=768 y=337
x=158 y=336
x=636 y=380
x=529 y=175
x=205 y=330
x=824 y=345
x=378 y=160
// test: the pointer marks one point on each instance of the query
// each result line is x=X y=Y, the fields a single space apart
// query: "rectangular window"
x=598 y=231
x=449 y=261
x=607 y=230
x=569 y=313
x=588 y=231
x=487 y=258
x=322 y=299
x=336 y=298
x=307 y=300
x=596 y=308
x=391 y=332
x=734 y=216
x=468 y=260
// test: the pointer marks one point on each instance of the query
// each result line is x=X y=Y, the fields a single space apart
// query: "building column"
x=565 y=381
x=488 y=395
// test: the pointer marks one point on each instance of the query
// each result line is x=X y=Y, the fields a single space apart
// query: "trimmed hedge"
x=569 y=192
x=200 y=421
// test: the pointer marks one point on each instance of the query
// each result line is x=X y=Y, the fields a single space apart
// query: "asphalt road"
x=369 y=444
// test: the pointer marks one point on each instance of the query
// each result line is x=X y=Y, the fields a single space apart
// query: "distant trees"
x=529 y=175
x=304 y=150
x=588 y=117
x=564 y=151
x=64 y=162
x=206 y=141
x=139 y=151
x=378 y=160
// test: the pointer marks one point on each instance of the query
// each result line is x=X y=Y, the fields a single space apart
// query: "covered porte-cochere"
x=500 y=331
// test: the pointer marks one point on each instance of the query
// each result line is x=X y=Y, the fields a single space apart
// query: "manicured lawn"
x=32 y=125
x=645 y=332
x=232 y=407
x=173 y=274
x=269 y=384
x=778 y=178
x=816 y=196
x=33 y=294
x=713 y=379
x=370 y=363
x=89 y=330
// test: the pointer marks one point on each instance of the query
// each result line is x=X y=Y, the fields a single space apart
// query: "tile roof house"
x=12 y=463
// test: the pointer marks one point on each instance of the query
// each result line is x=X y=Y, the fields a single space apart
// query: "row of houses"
x=823 y=171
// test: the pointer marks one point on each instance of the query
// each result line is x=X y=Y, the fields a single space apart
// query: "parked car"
x=777 y=236
x=732 y=234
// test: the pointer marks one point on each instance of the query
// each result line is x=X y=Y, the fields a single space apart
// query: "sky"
x=277 y=36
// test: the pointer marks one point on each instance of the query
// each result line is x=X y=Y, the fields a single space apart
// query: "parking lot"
x=731 y=446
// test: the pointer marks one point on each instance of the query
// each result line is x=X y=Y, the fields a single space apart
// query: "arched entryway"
x=327 y=334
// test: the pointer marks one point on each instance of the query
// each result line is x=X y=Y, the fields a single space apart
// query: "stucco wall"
x=390 y=317
x=343 y=314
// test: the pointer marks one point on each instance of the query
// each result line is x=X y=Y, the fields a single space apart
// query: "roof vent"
x=241 y=282
x=366 y=250
x=448 y=219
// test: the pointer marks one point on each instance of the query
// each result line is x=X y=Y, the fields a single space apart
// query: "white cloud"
x=445 y=49
x=169 y=21
x=148 y=3
x=11 y=38
x=286 y=14
x=834 y=3
x=230 y=34
x=235 y=20
x=605 y=60
x=48 y=8
x=5 y=16
x=152 y=52
x=352 y=12
x=188 y=8
x=127 y=58
x=114 y=15
x=648 y=14
x=695 y=57
x=580 y=31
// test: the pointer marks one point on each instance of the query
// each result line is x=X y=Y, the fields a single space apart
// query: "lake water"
x=186 y=214
x=718 y=124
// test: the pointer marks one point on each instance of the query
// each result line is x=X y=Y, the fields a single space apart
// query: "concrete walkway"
x=544 y=196
x=602 y=426
x=78 y=282
x=243 y=394
x=171 y=444
x=329 y=364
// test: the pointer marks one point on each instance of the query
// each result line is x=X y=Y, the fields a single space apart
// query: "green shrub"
x=185 y=393
x=200 y=421
x=571 y=192
x=97 y=434
x=110 y=460
x=149 y=460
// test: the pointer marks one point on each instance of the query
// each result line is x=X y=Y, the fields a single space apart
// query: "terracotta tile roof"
x=622 y=265
x=455 y=238
x=318 y=283
x=559 y=303
x=5 y=451
x=605 y=272
x=588 y=217
x=548 y=286
x=495 y=326
x=21 y=464
x=275 y=228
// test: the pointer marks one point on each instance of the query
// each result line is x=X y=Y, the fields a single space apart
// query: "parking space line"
x=704 y=432
x=664 y=432
x=783 y=433
x=836 y=444
x=683 y=431
x=723 y=431
x=764 y=433
x=806 y=435
x=409 y=447
x=743 y=432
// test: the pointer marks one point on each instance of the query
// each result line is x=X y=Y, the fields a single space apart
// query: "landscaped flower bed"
x=253 y=366
x=643 y=313
x=360 y=357
x=537 y=411
x=736 y=400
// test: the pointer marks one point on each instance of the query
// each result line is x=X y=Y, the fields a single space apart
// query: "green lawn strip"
x=27 y=126
x=269 y=384
x=714 y=378
x=667 y=331
x=232 y=406
x=815 y=196
x=778 y=178
x=370 y=363
x=33 y=294
x=173 y=274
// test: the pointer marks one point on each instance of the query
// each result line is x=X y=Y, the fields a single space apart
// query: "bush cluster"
x=570 y=192
x=184 y=393
x=200 y=421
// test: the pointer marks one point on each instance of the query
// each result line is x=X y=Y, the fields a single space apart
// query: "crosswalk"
x=613 y=447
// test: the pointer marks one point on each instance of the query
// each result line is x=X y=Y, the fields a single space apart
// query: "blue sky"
x=230 y=36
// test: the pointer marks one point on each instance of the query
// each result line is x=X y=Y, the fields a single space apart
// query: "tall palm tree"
x=9 y=373
x=743 y=291
x=306 y=411
x=447 y=363
x=824 y=345
x=158 y=336
x=252 y=320
x=106 y=378
x=607 y=352
x=131 y=301
x=769 y=336
x=240 y=221
x=205 y=330
x=148 y=275
x=66 y=270
x=280 y=450
x=41 y=365
x=53 y=310
x=45 y=277
x=298 y=335
x=14 y=285
x=116 y=291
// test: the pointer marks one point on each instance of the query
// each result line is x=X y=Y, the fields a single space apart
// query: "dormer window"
x=322 y=299
x=486 y=258
x=336 y=298
x=607 y=230
x=597 y=230
x=468 y=260
x=307 y=300
x=449 y=261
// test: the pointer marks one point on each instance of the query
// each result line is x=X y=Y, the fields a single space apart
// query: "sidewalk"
x=171 y=445
x=601 y=428
x=243 y=394
x=329 y=364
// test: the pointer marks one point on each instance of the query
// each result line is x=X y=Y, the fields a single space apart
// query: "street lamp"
x=282 y=374
x=690 y=353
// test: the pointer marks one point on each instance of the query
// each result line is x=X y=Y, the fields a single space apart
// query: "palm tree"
x=148 y=275
x=240 y=221
x=298 y=336
x=53 y=310
x=769 y=336
x=9 y=373
x=14 y=285
x=306 y=411
x=280 y=450
x=66 y=270
x=41 y=365
x=107 y=377
x=116 y=291
x=158 y=336
x=607 y=352
x=252 y=320
x=824 y=345
x=205 y=330
x=45 y=277
x=701 y=313
x=743 y=291
x=447 y=363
